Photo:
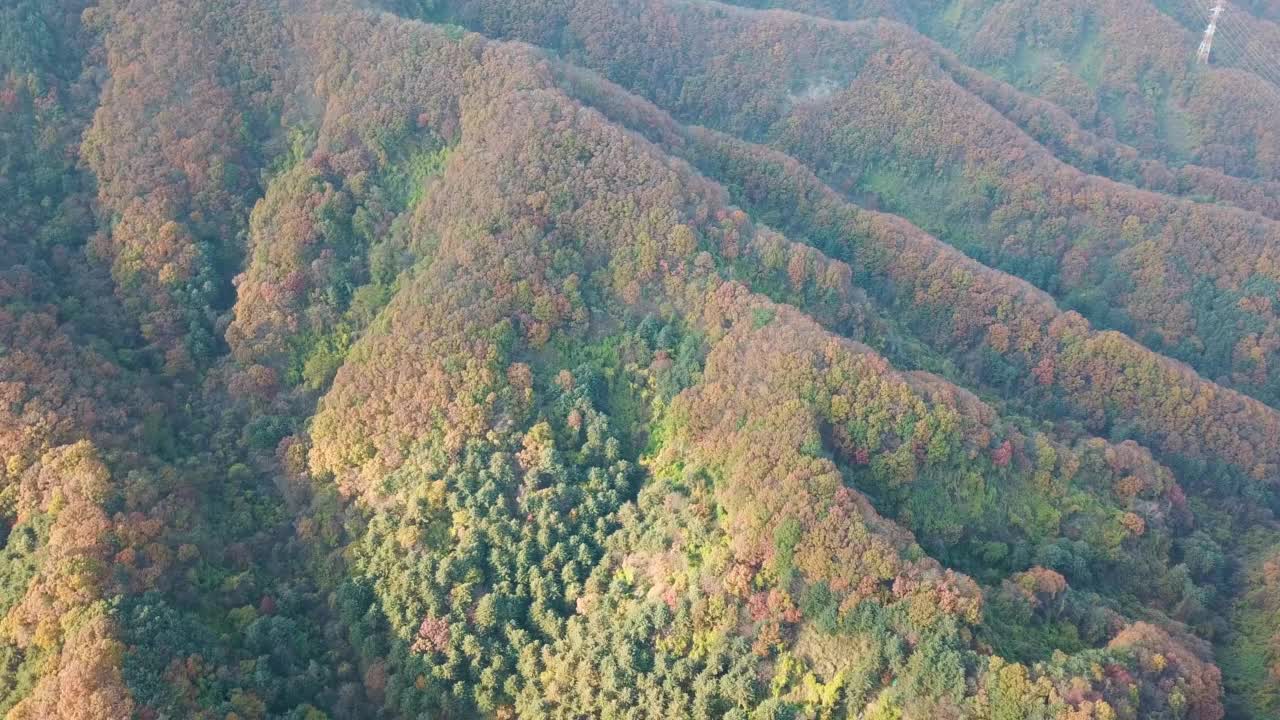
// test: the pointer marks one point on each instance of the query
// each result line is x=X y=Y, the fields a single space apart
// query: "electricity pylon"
x=1206 y=45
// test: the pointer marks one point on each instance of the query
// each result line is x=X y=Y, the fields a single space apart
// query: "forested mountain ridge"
x=1168 y=281
x=370 y=362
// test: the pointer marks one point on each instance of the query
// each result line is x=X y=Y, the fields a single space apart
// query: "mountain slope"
x=358 y=365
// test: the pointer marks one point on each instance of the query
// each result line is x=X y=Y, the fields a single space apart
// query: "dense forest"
x=829 y=359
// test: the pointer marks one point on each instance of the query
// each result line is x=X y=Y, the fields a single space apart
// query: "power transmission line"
x=1249 y=59
x=1235 y=39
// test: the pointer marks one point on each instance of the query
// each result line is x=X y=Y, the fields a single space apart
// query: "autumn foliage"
x=865 y=360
